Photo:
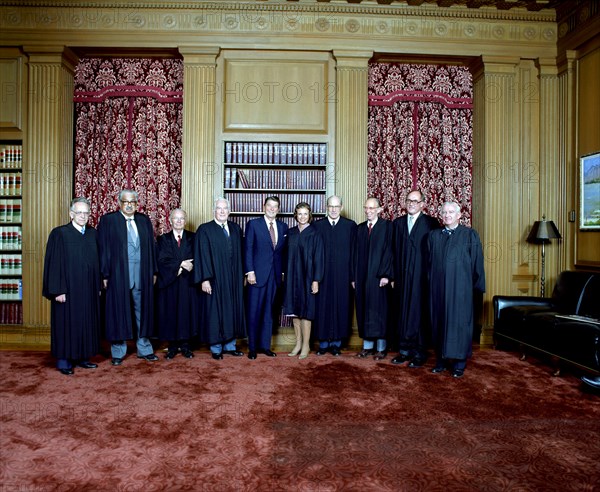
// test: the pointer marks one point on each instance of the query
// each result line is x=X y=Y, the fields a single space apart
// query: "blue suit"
x=266 y=262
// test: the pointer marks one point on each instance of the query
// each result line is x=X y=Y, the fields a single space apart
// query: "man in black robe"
x=128 y=267
x=72 y=284
x=333 y=320
x=372 y=272
x=219 y=270
x=410 y=288
x=455 y=271
x=177 y=296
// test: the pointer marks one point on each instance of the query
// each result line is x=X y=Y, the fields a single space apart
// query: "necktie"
x=178 y=240
x=333 y=224
x=447 y=231
x=83 y=230
x=370 y=227
x=225 y=231
x=411 y=223
x=131 y=231
x=272 y=234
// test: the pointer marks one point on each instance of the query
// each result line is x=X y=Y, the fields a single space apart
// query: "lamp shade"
x=542 y=231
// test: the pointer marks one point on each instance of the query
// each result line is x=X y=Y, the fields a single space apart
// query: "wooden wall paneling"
x=588 y=124
x=199 y=167
x=47 y=173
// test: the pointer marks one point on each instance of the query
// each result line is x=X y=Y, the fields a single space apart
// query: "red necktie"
x=272 y=234
x=178 y=240
x=370 y=227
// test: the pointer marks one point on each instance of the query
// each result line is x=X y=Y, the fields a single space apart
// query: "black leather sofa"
x=540 y=324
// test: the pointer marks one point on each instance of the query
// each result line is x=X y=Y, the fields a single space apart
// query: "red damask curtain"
x=128 y=124
x=420 y=136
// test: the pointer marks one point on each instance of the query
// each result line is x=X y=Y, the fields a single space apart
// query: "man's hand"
x=206 y=287
x=61 y=298
x=251 y=278
x=383 y=282
x=187 y=264
x=314 y=288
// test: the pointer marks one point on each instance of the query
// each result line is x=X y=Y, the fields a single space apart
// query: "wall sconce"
x=541 y=233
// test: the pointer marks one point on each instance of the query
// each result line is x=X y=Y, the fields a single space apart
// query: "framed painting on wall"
x=589 y=205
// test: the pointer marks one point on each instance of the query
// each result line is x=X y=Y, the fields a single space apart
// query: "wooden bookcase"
x=294 y=171
x=11 y=267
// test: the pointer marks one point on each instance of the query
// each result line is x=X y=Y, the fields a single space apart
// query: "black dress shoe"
x=380 y=355
x=66 y=372
x=116 y=361
x=592 y=382
x=252 y=355
x=365 y=353
x=218 y=356
x=87 y=365
x=335 y=351
x=170 y=354
x=188 y=354
x=417 y=362
x=269 y=353
x=458 y=373
x=438 y=369
x=235 y=353
x=149 y=357
x=322 y=351
x=400 y=359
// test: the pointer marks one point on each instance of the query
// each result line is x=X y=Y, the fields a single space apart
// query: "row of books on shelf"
x=10 y=183
x=10 y=210
x=253 y=202
x=274 y=178
x=242 y=220
x=10 y=238
x=11 y=313
x=11 y=156
x=275 y=153
x=11 y=265
x=11 y=289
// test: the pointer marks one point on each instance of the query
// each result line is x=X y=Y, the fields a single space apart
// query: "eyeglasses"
x=413 y=202
x=82 y=213
x=129 y=202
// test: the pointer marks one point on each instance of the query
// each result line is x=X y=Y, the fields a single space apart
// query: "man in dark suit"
x=177 y=299
x=264 y=246
x=128 y=268
x=410 y=288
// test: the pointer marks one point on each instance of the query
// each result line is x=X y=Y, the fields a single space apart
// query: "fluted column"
x=496 y=185
x=48 y=169
x=199 y=166
x=566 y=95
x=351 y=130
x=552 y=175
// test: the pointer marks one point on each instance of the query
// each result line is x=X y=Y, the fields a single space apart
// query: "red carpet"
x=322 y=424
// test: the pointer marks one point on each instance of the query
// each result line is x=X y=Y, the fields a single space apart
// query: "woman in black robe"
x=305 y=264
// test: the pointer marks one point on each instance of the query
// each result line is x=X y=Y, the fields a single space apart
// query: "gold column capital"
x=199 y=55
x=351 y=59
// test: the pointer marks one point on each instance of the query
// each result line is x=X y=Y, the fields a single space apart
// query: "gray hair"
x=177 y=210
x=222 y=199
x=123 y=192
x=79 y=199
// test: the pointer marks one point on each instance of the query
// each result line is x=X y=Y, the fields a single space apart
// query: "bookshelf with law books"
x=11 y=267
x=293 y=171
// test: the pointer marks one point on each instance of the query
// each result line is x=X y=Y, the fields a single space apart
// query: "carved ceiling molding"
x=318 y=7
x=322 y=19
